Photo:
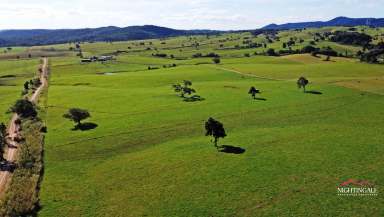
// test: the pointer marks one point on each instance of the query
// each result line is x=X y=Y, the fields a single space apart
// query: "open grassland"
x=226 y=44
x=13 y=74
x=149 y=156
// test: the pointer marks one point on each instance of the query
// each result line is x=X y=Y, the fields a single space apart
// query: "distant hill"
x=339 y=21
x=111 y=33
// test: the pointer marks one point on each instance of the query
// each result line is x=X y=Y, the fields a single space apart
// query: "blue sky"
x=180 y=14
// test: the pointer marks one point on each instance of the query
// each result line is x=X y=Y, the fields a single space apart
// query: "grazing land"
x=13 y=74
x=147 y=155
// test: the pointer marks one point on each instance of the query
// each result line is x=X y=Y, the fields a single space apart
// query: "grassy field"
x=148 y=155
x=13 y=74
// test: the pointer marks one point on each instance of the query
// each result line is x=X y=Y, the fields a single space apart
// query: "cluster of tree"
x=3 y=142
x=24 y=108
x=327 y=51
x=23 y=199
x=373 y=55
x=269 y=40
x=169 y=65
x=318 y=36
x=118 y=52
x=250 y=45
x=287 y=52
x=162 y=55
x=309 y=49
x=292 y=42
x=185 y=89
x=200 y=55
x=31 y=84
x=327 y=34
x=264 y=31
x=152 y=68
x=271 y=52
x=351 y=38
x=105 y=34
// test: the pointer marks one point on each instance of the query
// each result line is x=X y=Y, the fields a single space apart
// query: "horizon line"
x=197 y=29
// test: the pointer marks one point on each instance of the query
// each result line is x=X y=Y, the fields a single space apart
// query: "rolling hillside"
x=111 y=33
x=35 y=37
x=338 y=21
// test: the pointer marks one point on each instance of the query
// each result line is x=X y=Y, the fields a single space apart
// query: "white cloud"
x=181 y=14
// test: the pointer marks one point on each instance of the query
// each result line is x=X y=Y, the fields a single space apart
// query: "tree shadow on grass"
x=314 y=92
x=229 y=149
x=195 y=98
x=261 y=99
x=85 y=126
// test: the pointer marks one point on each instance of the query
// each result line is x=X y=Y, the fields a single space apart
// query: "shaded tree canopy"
x=184 y=89
x=271 y=52
x=253 y=91
x=26 y=85
x=215 y=129
x=24 y=108
x=77 y=115
x=309 y=49
x=351 y=38
x=302 y=83
x=328 y=51
x=373 y=55
x=216 y=60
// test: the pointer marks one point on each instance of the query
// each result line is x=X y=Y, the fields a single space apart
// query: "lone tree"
x=216 y=60
x=77 y=115
x=184 y=89
x=253 y=91
x=24 y=108
x=215 y=129
x=302 y=83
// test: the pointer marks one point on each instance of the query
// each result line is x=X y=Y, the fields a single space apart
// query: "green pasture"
x=13 y=74
x=148 y=155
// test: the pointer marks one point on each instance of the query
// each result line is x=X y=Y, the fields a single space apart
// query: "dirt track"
x=247 y=74
x=13 y=129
